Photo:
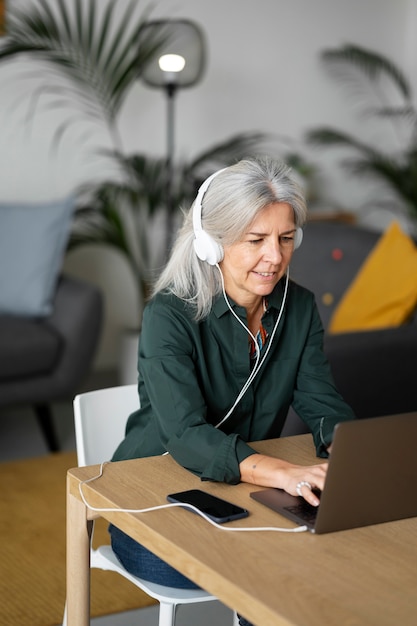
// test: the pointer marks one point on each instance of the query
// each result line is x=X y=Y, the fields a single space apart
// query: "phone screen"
x=217 y=509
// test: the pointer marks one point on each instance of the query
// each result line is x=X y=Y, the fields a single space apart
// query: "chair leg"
x=167 y=614
x=45 y=421
x=64 y=619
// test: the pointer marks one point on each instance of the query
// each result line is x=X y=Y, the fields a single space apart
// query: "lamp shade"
x=181 y=56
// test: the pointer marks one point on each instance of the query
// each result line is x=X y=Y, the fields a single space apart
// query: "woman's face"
x=253 y=266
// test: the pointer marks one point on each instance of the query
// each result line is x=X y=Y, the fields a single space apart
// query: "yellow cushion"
x=384 y=292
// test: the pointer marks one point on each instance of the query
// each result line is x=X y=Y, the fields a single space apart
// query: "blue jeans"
x=141 y=562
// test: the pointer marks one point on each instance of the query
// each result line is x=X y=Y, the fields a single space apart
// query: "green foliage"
x=94 y=54
x=100 y=54
x=387 y=97
x=119 y=213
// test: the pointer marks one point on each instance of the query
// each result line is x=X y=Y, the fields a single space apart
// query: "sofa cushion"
x=33 y=238
x=384 y=292
x=328 y=260
x=28 y=347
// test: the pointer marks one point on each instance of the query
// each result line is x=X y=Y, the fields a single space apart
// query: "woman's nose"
x=273 y=252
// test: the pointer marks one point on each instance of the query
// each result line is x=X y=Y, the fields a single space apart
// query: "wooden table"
x=365 y=576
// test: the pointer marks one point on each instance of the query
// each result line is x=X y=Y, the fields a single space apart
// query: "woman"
x=229 y=343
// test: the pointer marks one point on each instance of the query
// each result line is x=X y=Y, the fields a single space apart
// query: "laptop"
x=371 y=478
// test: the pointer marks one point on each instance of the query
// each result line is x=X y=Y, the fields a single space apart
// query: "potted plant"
x=387 y=99
x=122 y=213
x=91 y=57
x=94 y=57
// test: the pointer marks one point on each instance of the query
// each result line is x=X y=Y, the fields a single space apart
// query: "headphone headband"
x=199 y=200
x=205 y=247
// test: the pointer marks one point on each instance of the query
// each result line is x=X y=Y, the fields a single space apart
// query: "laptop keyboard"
x=304 y=510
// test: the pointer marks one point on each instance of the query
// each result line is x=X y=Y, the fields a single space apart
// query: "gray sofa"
x=43 y=360
x=373 y=370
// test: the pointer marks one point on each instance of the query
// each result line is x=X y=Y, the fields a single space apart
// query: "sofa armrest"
x=77 y=317
x=375 y=370
x=76 y=320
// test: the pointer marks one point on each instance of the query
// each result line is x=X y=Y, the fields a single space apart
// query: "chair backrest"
x=100 y=418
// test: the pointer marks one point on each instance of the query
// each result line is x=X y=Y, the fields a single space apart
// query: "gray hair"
x=232 y=201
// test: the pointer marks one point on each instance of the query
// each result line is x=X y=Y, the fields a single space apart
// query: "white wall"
x=263 y=73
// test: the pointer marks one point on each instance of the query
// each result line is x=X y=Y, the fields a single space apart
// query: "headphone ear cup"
x=298 y=238
x=207 y=249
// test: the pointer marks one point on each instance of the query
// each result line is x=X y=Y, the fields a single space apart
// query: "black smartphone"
x=218 y=510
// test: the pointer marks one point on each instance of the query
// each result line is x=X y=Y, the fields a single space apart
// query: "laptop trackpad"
x=292 y=507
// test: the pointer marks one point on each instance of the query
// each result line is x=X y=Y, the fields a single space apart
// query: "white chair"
x=100 y=419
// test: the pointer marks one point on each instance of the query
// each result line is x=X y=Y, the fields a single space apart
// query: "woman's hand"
x=301 y=480
x=266 y=471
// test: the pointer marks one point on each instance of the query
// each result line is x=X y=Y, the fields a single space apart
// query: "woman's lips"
x=265 y=276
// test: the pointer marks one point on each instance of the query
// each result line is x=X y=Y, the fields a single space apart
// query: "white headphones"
x=204 y=245
x=298 y=237
x=206 y=248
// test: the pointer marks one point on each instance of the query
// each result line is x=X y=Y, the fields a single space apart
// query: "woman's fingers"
x=305 y=481
x=305 y=490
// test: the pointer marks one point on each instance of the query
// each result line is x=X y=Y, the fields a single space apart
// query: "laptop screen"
x=371 y=478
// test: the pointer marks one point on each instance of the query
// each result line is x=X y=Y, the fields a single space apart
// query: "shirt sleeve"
x=168 y=369
x=316 y=399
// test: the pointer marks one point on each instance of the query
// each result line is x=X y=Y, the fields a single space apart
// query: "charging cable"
x=298 y=529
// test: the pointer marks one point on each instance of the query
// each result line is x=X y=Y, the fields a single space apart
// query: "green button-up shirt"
x=191 y=373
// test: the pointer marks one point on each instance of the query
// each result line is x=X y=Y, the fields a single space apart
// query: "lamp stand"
x=171 y=90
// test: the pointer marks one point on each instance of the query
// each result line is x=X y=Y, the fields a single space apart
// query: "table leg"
x=78 y=563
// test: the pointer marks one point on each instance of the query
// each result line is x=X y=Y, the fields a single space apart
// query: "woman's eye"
x=286 y=239
x=254 y=241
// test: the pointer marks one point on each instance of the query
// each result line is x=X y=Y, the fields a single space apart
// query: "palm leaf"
x=350 y=58
x=149 y=176
x=395 y=167
x=145 y=188
x=396 y=172
x=369 y=160
x=401 y=179
x=329 y=137
x=226 y=152
x=100 y=57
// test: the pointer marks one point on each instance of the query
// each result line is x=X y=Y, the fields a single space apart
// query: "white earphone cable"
x=257 y=365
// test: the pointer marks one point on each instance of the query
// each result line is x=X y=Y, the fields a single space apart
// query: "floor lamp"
x=180 y=63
